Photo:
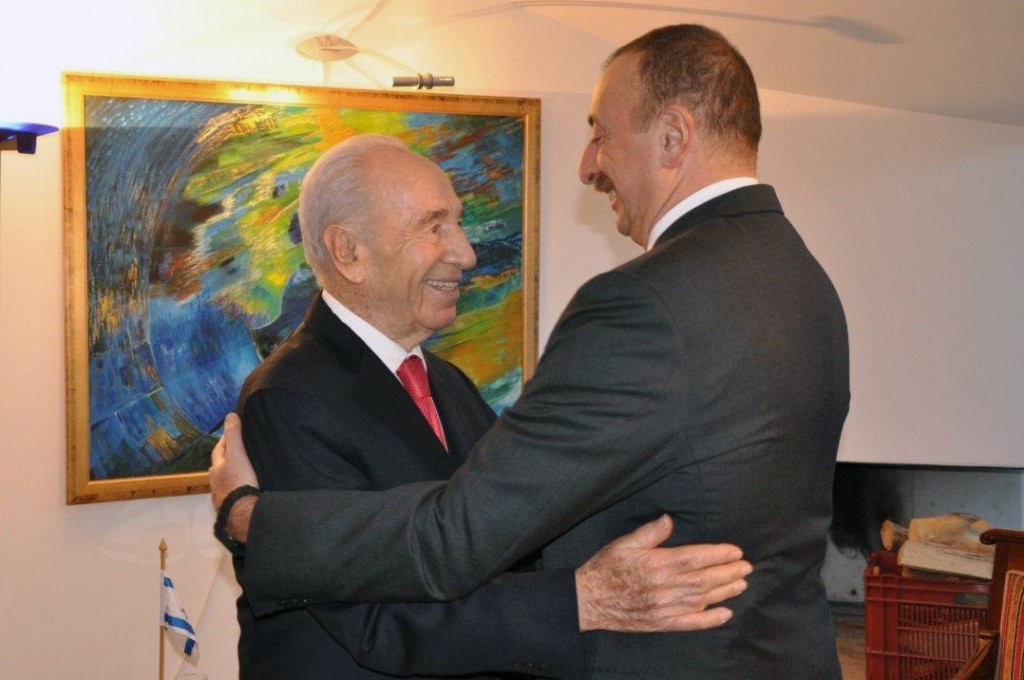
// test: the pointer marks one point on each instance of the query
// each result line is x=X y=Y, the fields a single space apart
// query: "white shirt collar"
x=387 y=350
x=692 y=201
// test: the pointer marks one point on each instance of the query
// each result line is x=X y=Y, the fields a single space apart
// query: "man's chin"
x=442 y=320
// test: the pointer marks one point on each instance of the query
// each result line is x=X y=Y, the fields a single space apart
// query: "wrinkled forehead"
x=407 y=182
x=397 y=168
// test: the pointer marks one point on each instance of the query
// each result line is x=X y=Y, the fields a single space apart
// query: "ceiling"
x=948 y=57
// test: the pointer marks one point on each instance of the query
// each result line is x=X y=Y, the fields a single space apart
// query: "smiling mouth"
x=444 y=286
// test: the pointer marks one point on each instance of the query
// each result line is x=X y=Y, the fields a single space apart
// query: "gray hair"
x=335 y=191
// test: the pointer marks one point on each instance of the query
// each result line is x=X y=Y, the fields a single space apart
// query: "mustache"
x=602 y=183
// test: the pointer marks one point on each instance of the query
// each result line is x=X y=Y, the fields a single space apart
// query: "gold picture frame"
x=184 y=266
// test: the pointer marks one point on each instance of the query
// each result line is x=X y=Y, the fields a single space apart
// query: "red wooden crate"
x=918 y=628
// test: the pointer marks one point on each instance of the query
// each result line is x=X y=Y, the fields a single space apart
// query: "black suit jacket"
x=708 y=378
x=359 y=429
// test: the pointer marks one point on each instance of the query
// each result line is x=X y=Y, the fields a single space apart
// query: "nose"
x=460 y=251
x=588 y=171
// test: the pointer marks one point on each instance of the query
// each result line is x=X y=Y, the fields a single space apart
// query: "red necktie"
x=414 y=378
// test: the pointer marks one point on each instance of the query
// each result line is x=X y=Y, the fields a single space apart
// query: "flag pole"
x=163 y=567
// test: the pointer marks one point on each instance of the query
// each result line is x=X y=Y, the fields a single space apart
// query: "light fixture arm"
x=422 y=81
x=329 y=48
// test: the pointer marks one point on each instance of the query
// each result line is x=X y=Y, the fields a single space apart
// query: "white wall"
x=918 y=220
x=893 y=203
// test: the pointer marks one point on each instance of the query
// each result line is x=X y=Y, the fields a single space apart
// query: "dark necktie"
x=414 y=377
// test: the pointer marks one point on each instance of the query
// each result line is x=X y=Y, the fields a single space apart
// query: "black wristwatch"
x=220 y=527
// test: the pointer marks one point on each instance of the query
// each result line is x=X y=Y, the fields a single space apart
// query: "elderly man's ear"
x=346 y=252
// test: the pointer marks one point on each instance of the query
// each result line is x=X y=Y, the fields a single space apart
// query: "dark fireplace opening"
x=865 y=494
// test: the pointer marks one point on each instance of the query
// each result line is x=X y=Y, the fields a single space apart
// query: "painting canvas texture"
x=194 y=266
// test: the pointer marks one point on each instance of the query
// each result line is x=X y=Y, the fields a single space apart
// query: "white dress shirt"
x=693 y=200
x=386 y=349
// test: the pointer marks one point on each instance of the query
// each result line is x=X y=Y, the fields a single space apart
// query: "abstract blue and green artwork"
x=194 y=260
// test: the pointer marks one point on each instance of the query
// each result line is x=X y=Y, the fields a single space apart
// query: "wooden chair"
x=985 y=662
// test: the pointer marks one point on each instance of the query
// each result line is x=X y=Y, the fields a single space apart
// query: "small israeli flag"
x=174 y=619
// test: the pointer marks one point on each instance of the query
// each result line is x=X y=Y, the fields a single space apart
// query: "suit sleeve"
x=589 y=430
x=523 y=623
x=519 y=623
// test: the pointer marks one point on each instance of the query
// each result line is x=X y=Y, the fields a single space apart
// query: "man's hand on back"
x=633 y=586
x=630 y=585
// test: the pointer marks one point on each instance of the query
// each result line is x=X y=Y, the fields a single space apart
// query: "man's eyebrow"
x=434 y=215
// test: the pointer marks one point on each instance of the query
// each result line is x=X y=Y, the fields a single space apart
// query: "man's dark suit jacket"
x=323 y=412
x=708 y=378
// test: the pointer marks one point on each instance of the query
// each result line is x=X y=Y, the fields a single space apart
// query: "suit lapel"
x=385 y=396
x=461 y=435
x=379 y=389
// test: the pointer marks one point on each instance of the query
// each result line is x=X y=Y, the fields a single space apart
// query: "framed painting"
x=185 y=265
